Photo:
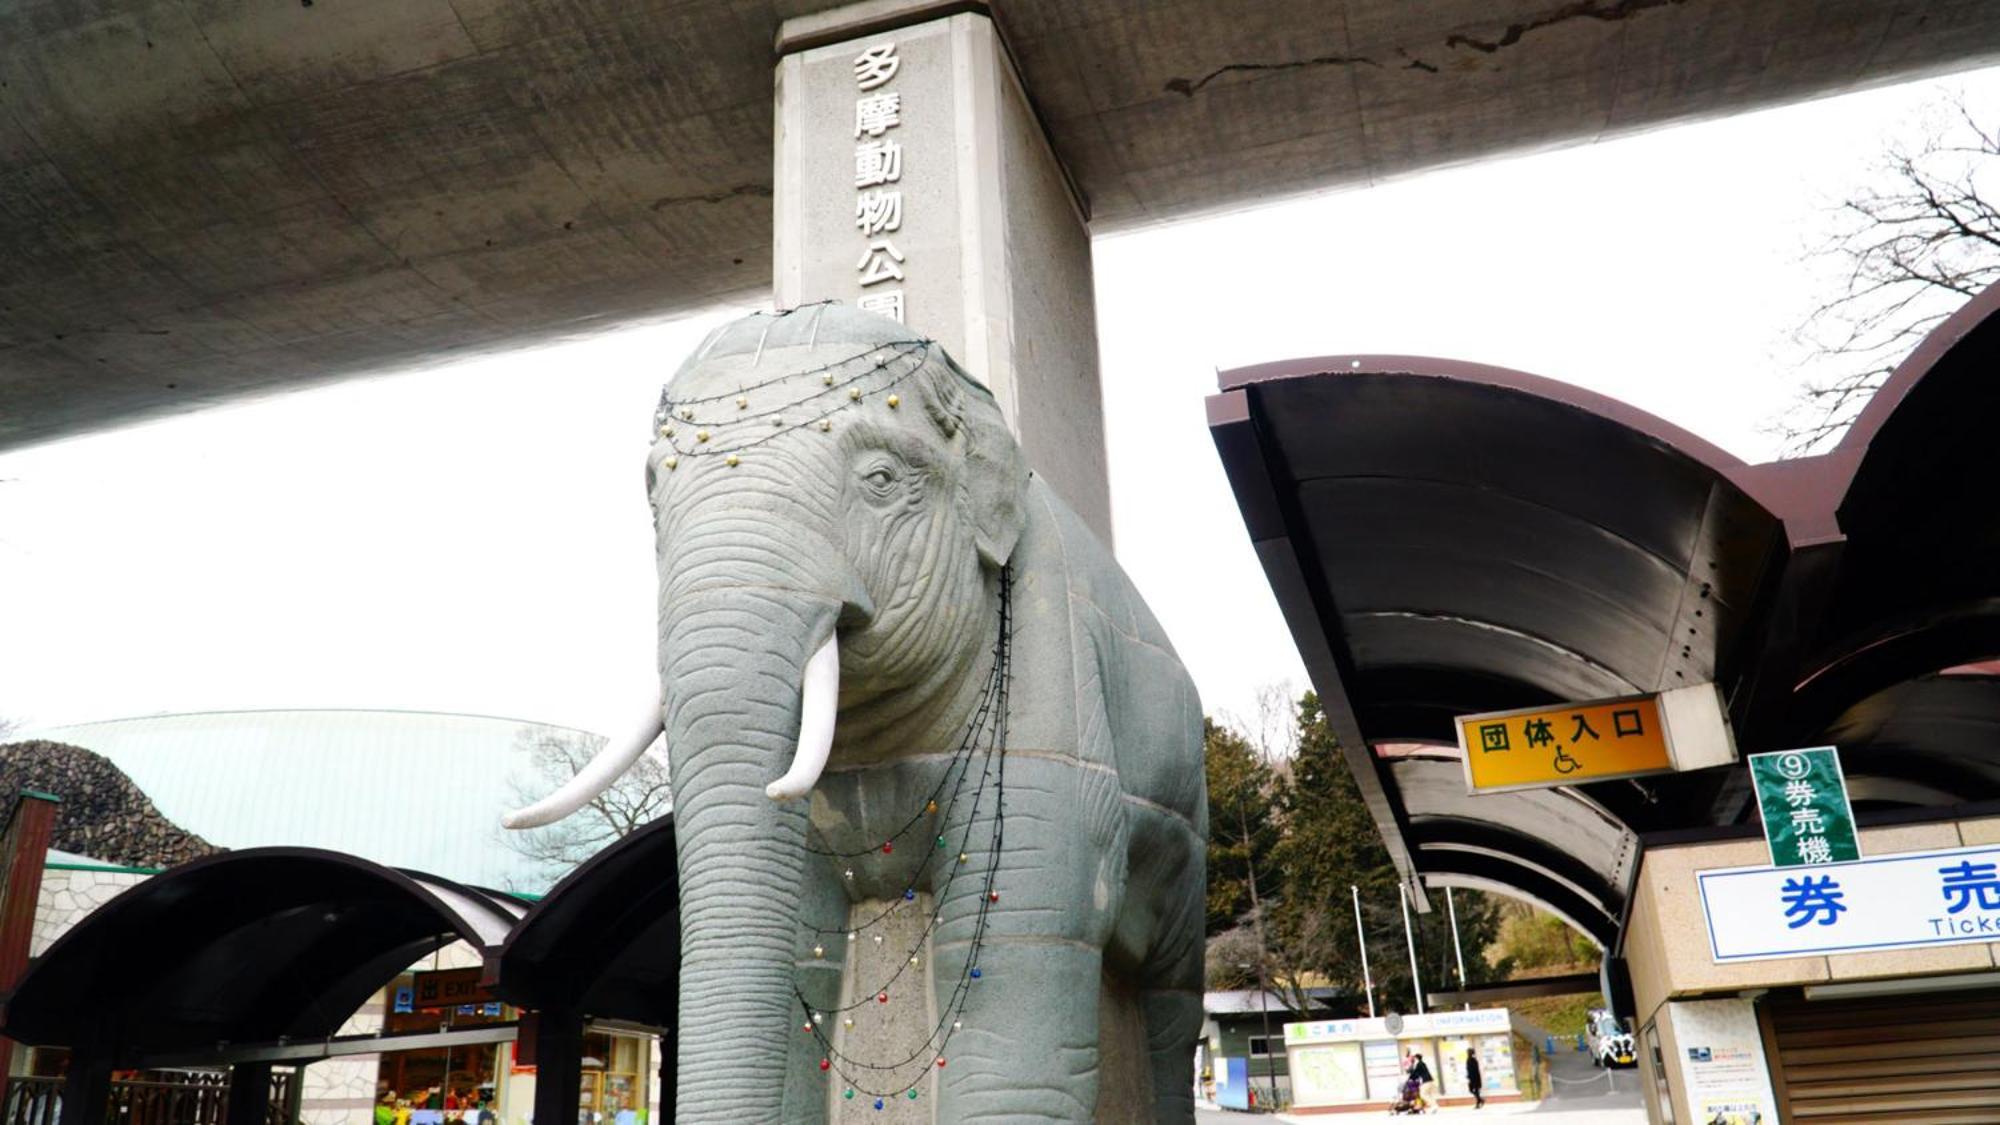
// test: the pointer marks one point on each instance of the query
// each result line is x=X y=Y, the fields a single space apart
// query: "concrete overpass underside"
x=201 y=200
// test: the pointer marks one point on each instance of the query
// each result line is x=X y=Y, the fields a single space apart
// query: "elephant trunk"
x=735 y=667
x=820 y=699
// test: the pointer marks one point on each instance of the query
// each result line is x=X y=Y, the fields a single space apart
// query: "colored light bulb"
x=888 y=846
x=881 y=998
x=975 y=974
x=826 y=1064
x=909 y=895
x=849 y=1095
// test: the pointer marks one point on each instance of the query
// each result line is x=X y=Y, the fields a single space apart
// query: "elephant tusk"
x=595 y=777
x=818 y=700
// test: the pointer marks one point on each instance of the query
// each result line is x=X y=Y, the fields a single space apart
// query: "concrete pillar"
x=914 y=178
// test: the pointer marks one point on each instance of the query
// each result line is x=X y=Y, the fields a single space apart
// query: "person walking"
x=1420 y=1073
x=1472 y=1080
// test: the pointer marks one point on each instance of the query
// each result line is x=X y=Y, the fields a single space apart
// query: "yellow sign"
x=1563 y=745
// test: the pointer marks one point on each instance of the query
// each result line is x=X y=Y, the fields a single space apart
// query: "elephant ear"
x=994 y=483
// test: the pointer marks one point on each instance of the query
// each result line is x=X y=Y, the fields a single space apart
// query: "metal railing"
x=193 y=1098
x=32 y=1101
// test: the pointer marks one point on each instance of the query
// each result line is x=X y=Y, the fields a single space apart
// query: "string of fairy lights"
x=695 y=427
x=985 y=738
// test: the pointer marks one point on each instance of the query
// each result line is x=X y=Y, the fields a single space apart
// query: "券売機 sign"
x=1893 y=902
x=1803 y=796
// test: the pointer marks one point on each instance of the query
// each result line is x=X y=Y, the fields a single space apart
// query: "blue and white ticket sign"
x=1892 y=902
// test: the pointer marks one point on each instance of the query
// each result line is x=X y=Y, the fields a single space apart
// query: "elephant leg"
x=1170 y=864
x=1173 y=1021
x=1028 y=1050
x=822 y=904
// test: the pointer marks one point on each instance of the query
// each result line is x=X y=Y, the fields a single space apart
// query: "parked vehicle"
x=1608 y=1039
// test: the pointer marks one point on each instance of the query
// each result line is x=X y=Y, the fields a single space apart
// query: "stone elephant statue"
x=937 y=772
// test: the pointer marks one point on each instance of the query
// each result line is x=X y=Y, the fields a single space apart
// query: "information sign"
x=1563 y=745
x=449 y=988
x=1803 y=796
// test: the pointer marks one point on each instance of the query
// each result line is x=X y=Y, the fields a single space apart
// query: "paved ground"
x=1587 y=1093
x=1582 y=1095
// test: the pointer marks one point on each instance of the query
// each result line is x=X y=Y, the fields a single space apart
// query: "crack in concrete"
x=1582 y=10
x=1513 y=33
x=763 y=190
x=1188 y=88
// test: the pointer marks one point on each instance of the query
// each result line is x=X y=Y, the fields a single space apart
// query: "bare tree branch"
x=1914 y=249
x=553 y=757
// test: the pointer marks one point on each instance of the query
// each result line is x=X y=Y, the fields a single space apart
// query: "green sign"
x=1803 y=796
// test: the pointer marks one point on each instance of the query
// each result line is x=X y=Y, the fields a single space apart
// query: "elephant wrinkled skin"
x=882 y=521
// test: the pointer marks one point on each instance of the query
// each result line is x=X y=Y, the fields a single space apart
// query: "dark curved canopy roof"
x=247 y=946
x=606 y=941
x=1446 y=538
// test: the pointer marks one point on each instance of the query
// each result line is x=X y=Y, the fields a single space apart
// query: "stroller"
x=1411 y=1098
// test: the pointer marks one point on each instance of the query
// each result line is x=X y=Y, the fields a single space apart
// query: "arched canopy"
x=243 y=947
x=605 y=942
x=1446 y=538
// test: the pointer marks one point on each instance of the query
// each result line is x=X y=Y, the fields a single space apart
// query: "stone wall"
x=342 y=1091
x=69 y=895
x=103 y=815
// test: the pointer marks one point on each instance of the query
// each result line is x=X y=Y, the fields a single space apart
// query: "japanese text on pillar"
x=878 y=174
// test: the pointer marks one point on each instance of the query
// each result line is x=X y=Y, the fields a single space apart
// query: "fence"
x=192 y=1098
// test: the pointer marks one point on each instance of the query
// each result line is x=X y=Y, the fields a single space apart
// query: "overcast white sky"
x=475 y=538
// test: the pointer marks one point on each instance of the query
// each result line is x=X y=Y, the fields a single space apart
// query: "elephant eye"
x=879 y=478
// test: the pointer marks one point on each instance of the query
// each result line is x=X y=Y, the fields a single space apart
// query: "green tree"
x=1329 y=844
x=1241 y=830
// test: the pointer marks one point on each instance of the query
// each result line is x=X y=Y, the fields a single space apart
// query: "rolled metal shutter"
x=1917 y=1057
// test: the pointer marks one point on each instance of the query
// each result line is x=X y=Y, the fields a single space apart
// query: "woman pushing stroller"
x=1416 y=1077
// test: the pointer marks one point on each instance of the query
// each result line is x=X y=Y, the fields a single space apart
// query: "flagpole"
x=1416 y=982
x=1456 y=950
x=1361 y=939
